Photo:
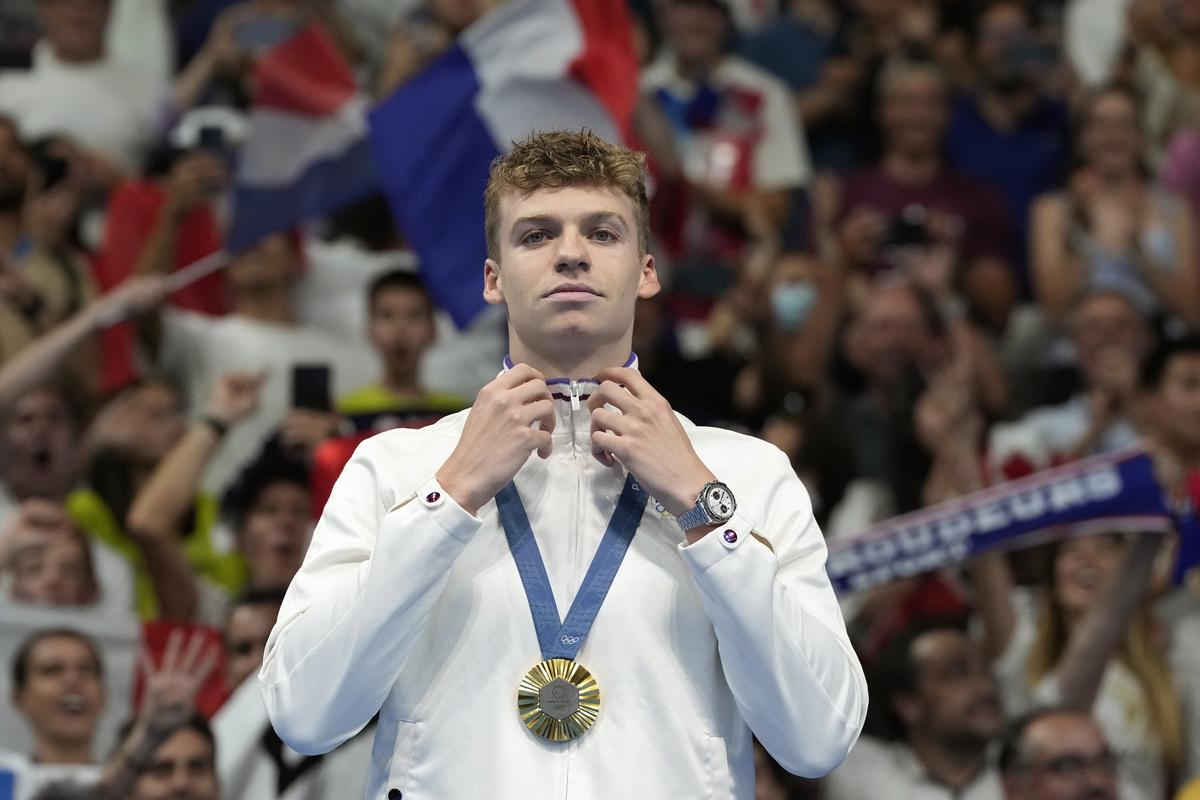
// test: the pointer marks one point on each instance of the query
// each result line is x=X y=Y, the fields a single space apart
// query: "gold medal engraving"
x=558 y=700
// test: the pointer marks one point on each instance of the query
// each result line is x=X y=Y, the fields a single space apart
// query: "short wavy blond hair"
x=559 y=159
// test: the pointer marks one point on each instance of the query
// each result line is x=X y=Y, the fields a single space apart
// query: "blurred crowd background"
x=921 y=246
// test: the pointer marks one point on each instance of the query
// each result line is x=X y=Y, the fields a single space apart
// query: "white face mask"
x=791 y=303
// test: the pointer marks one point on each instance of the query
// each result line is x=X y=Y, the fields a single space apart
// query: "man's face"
x=956 y=698
x=39 y=446
x=63 y=693
x=268 y=267
x=75 y=28
x=182 y=768
x=401 y=328
x=914 y=113
x=246 y=635
x=891 y=335
x=1177 y=401
x=54 y=574
x=1065 y=759
x=569 y=271
x=1104 y=322
x=275 y=532
x=696 y=33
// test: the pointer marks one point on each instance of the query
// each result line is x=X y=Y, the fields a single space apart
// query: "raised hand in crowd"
x=195 y=178
x=169 y=702
x=303 y=429
x=160 y=506
x=41 y=358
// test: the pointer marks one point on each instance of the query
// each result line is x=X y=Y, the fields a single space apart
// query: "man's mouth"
x=572 y=291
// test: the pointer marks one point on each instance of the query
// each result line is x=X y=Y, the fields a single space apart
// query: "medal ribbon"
x=563 y=639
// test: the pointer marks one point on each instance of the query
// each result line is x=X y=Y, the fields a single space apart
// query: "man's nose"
x=572 y=253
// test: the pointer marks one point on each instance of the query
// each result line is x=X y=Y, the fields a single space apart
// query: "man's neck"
x=911 y=168
x=402 y=383
x=951 y=766
x=48 y=752
x=582 y=364
x=696 y=70
x=275 y=307
x=1004 y=112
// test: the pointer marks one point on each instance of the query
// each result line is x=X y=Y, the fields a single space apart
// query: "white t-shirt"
x=27 y=778
x=1046 y=435
x=104 y=105
x=196 y=349
x=780 y=154
x=876 y=769
x=1119 y=709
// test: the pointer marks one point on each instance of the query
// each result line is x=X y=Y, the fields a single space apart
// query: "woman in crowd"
x=1112 y=227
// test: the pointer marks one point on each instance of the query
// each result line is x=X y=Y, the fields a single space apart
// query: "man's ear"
x=493 y=293
x=648 y=284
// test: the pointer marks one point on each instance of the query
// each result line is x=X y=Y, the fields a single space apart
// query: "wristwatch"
x=714 y=506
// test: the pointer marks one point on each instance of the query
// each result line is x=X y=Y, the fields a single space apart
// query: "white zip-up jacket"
x=417 y=612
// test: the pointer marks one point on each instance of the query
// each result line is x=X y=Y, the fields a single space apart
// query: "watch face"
x=719 y=502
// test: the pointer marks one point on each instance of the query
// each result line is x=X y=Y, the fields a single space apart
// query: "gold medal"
x=558 y=700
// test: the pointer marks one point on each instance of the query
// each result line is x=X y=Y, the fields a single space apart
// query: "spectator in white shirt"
x=75 y=88
x=934 y=690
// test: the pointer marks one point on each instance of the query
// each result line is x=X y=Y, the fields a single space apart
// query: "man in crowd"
x=58 y=688
x=1057 y=754
x=75 y=88
x=1110 y=339
x=913 y=202
x=934 y=688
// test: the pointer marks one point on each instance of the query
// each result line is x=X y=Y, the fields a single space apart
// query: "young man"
x=720 y=620
x=58 y=688
x=401 y=328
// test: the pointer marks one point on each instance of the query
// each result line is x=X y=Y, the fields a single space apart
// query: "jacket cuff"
x=718 y=543
x=442 y=509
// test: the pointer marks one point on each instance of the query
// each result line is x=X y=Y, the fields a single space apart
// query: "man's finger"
x=613 y=394
x=531 y=391
x=545 y=443
x=171 y=652
x=519 y=374
x=628 y=377
x=605 y=420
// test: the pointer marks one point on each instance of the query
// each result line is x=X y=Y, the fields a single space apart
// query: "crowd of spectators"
x=922 y=246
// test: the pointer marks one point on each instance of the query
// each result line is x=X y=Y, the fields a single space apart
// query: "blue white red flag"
x=527 y=66
x=306 y=152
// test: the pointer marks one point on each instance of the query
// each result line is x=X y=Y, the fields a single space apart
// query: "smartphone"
x=310 y=387
x=905 y=231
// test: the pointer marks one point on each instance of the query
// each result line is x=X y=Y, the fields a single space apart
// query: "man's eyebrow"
x=540 y=219
x=605 y=216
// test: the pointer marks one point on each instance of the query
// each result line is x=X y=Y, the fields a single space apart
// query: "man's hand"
x=194 y=179
x=303 y=429
x=129 y=298
x=37 y=523
x=498 y=436
x=646 y=438
x=235 y=396
x=172 y=687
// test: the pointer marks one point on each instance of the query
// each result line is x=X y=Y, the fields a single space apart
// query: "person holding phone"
x=432 y=592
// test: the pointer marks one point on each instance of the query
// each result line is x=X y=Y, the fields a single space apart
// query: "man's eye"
x=603 y=235
x=534 y=237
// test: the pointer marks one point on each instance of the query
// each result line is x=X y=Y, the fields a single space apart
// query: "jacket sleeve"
x=368 y=583
x=782 y=641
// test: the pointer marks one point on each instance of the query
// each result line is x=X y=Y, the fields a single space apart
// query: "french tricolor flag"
x=527 y=66
x=307 y=151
